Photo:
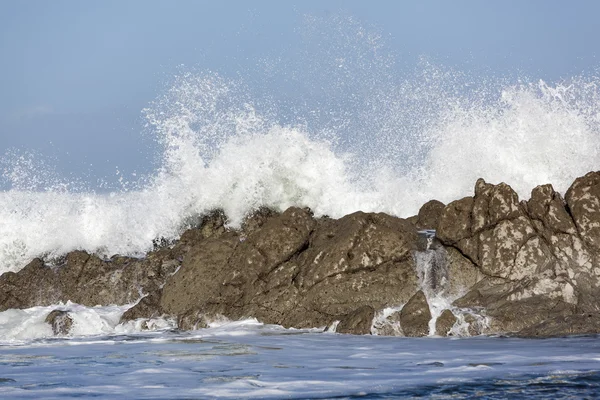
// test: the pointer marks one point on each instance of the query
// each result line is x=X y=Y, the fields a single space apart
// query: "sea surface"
x=247 y=359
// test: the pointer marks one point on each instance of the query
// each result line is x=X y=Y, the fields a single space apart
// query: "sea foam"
x=381 y=142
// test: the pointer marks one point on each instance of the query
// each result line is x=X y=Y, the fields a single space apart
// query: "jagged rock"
x=147 y=307
x=296 y=271
x=583 y=198
x=415 y=316
x=60 y=321
x=358 y=322
x=561 y=325
x=514 y=316
x=257 y=219
x=209 y=225
x=444 y=323
x=462 y=273
x=360 y=259
x=513 y=306
x=429 y=215
x=518 y=263
x=454 y=227
x=85 y=279
x=200 y=279
x=548 y=207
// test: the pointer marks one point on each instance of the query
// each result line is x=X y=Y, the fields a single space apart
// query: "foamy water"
x=360 y=136
x=250 y=360
x=236 y=160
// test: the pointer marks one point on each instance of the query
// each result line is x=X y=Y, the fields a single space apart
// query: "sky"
x=75 y=75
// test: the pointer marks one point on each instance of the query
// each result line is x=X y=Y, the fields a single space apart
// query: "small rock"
x=60 y=321
x=357 y=322
x=444 y=323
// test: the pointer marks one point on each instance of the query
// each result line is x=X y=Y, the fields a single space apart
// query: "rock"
x=513 y=306
x=358 y=322
x=462 y=273
x=296 y=271
x=429 y=215
x=85 y=279
x=561 y=325
x=200 y=279
x=147 y=307
x=521 y=264
x=257 y=219
x=390 y=326
x=415 y=316
x=455 y=227
x=548 y=207
x=60 y=321
x=444 y=323
x=360 y=259
x=583 y=199
x=192 y=320
x=514 y=316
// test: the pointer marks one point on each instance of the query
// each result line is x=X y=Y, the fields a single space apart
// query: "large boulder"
x=85 y=279
x=429 y=215
x=293 y=270
x=415 y=316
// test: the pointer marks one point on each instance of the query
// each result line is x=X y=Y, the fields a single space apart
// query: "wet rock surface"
x=415 y=316
x=444 y=323
x=60 y=321
x=516 y=264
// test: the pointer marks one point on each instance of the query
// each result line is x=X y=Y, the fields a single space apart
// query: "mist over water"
x=343 y=131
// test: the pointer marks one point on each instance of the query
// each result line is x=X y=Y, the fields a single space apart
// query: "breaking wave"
x=351 y=133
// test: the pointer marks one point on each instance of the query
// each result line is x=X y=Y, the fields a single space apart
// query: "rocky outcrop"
x=537 y=257
x=509 y=266
x=86 y=279
x=561 y=325
x=296 y=271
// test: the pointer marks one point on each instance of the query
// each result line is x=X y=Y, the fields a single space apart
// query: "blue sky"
x=74 y=75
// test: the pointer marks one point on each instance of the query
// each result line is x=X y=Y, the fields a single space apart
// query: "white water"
x=359 y=136
x=251 y=360
x=238 y=161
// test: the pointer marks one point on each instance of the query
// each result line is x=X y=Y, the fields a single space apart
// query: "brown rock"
x=455 y=225
x=192 y=320
x=257 y=219
x=444 y=323
x=415 y=316
x=147 y=307
x=583 y=198
x=85 y=279
x=429 y=215
x=200 y=279
x=561 y=325
x=358 y=322
x=60 y=321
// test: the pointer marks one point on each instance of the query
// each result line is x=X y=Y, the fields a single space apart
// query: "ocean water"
x=388 y=142
x=246 y=359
